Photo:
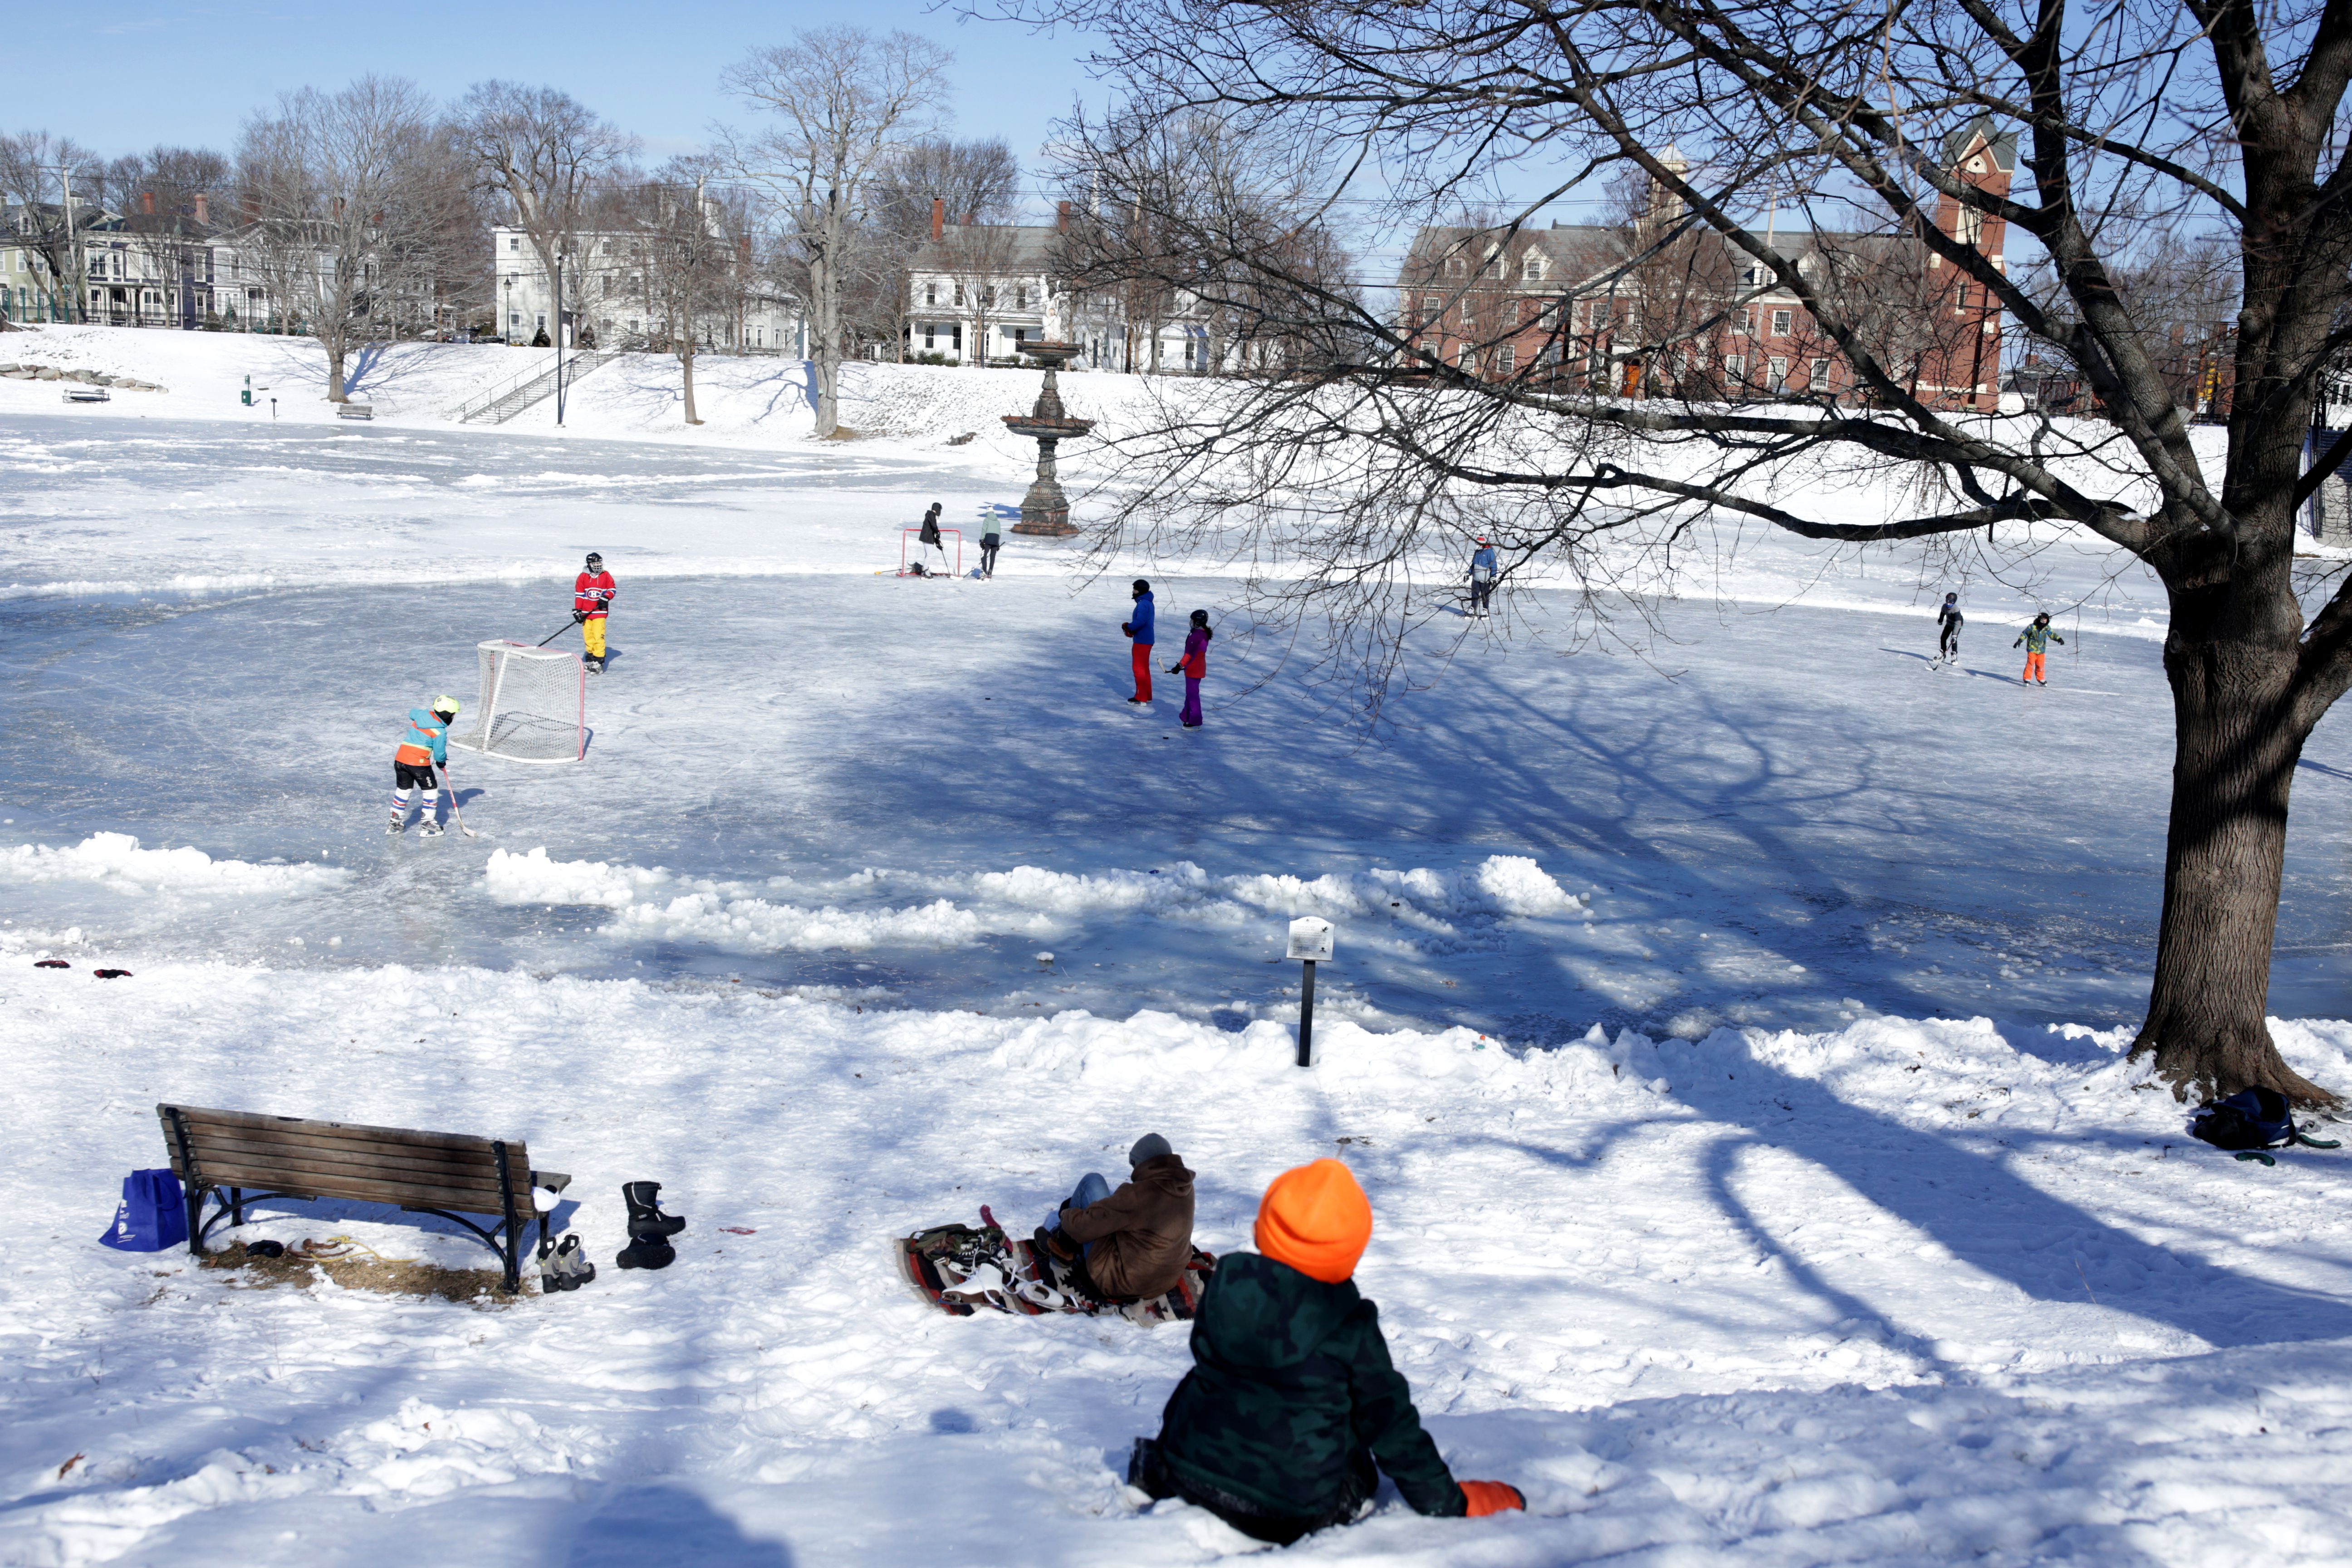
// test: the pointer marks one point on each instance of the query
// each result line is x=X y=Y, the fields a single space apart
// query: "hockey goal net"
x=533 y=706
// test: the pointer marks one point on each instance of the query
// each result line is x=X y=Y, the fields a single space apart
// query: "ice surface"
x=1729 y=1038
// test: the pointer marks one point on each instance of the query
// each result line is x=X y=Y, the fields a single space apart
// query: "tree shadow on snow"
x=644 y=1525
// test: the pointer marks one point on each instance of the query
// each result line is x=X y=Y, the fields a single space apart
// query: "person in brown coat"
x=1135 y=1242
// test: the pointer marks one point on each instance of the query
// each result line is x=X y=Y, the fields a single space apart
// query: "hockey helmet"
x=448 y=705
x=594 y=559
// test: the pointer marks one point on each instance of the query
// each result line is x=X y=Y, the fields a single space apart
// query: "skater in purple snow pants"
x=1193 y=665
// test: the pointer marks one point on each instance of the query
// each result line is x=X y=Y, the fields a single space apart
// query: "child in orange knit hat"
x=1293 y=1407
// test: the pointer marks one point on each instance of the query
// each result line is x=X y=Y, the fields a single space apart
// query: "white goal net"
x=533 y=706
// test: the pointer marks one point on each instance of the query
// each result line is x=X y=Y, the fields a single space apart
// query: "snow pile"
x=1909 y=1291
x=114 y=860
x=1434 y=911
x=756 y=925
x=533 y=879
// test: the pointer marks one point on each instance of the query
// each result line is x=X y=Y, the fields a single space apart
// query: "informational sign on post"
x=1311 y=943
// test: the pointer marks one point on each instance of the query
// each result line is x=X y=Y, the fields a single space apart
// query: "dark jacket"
x=1142 y=1234
x=1290 y=1377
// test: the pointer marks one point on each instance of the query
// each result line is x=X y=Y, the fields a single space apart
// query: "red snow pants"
x=2034 y=669
x=1143 y=672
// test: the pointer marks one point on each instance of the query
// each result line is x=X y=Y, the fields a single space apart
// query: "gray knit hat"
x=1150 y=1146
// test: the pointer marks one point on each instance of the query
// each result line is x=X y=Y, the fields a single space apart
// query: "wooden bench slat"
x=217 y=1169
x=383 y=1156
x=198 y=1116
x=407 y=1194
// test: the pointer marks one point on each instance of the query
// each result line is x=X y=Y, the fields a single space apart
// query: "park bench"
x=356 y=411
x=240 y=1158
x=89 y=395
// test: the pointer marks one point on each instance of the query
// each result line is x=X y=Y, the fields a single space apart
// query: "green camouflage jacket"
x=1289 y=1377
x=2037 y=640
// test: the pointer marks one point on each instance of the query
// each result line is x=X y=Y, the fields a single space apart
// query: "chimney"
x=147 y=202
x=939 y=219
x=203 y=207
x=1062 y=216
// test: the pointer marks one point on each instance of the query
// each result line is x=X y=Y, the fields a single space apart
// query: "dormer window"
x=1532 y=269
x=1756 y=277
x=1454 y=266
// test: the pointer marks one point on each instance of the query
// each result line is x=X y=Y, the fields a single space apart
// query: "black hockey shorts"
x=403 y=775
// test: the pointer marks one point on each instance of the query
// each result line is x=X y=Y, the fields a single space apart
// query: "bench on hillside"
x=356 y=411
x=89 y=395
x=240 y=1158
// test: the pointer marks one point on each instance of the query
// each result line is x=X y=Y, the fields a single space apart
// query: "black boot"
x=647 y=1222
x=649 y=1228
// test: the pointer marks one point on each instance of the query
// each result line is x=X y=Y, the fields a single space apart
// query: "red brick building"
x=1601 y=307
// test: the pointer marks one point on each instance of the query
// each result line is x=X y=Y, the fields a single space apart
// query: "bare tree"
x=973 y=182
x=2219 y=116
x=37 y=172
x=345 y=189
x=689 y=257
x=544 y=157
x=843 y=101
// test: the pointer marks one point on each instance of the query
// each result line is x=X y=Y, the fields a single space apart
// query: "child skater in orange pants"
x=2036 y=640
x=1194 y=665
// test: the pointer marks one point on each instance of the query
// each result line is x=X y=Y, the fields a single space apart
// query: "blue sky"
x=133 y=75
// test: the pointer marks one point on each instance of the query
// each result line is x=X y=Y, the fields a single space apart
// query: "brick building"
x=1609 y=308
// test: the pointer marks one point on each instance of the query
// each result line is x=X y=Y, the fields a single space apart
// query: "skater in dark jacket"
x=930 y=535
x=1135 y=1242
x=1193 y=665
x=1292 y=1400
x=1949 y=621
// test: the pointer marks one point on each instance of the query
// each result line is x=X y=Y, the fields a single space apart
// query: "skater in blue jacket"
x=1483 y=571
x=1138 y=627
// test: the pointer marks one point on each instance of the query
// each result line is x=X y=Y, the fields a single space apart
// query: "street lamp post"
x=559 y=339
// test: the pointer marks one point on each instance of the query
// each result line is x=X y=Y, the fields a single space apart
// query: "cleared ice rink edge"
x=1910 y=1291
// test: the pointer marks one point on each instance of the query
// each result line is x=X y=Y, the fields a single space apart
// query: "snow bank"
x=1911 y=1290
x=115 y=860
x=1436 y=910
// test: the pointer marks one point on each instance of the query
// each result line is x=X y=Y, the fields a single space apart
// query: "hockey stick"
x=455 y=814
x=554 y=635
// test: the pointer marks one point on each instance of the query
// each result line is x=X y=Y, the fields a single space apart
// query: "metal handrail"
x=468 y=409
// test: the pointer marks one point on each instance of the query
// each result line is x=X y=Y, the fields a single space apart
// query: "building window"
x=1817 y=375
x=1454 y=266
x=1744 y=325
x=930 y=293
x=958 y=293
x=1779 y=376
x=513 y=243
x=1735 y=366
x=1532 y=268
x=1781 y=320
x=1468 y=359
x=1020 y=297
x=1507 y=358
x=1756 y=277
x=1431 y=310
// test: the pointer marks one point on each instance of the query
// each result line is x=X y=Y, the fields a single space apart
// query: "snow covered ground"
x=1729 y=1039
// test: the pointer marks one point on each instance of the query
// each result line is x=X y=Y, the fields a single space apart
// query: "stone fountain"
x=1045 y=509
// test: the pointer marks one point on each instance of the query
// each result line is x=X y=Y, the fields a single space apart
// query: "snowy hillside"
x=1727 y=1028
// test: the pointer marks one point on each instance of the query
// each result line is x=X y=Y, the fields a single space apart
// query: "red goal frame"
x=916 y=534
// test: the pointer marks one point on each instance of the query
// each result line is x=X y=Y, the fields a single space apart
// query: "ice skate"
x=398 y=822
x=431 y=830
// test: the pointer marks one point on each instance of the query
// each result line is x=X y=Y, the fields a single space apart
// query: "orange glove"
x=1491 y=1497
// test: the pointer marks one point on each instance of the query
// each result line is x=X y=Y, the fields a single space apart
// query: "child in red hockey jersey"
x=592 y=600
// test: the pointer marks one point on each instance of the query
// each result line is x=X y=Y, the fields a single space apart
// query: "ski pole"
x=455 y=814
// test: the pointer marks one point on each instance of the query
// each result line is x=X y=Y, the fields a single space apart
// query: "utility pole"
x=559 y=339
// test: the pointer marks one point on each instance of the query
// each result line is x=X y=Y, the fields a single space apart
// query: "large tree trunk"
x=686 y=360
x=335 y=373
x=2236 y=742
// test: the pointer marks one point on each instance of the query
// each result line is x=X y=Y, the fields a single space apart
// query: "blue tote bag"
x=152 y=1215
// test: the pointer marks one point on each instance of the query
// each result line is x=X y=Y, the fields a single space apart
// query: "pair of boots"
x=564 y=1266
x=649 y=1228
